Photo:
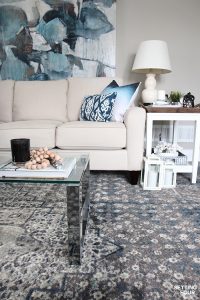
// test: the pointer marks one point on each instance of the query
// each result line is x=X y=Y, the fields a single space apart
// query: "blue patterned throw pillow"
x=98 y=107
x=126 y=96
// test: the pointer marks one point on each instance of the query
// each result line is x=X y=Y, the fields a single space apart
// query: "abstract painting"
x=56 y=39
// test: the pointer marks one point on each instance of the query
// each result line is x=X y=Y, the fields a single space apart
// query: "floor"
x=139 y=244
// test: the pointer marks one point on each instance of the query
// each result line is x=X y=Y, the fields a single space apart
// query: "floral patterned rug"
x=139 y=244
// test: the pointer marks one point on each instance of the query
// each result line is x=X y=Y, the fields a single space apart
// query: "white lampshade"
x=152 y=57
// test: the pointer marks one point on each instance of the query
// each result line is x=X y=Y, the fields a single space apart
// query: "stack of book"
x=9 y=170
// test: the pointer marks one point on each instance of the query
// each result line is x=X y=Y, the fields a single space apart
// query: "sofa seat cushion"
x=40 y=132
x=91 y=135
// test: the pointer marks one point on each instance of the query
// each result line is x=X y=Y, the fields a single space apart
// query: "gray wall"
x=175 y=21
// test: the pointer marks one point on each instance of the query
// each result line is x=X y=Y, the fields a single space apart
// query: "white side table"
x=176 y=116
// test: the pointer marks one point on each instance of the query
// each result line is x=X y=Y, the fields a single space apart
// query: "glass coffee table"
x=78 y=200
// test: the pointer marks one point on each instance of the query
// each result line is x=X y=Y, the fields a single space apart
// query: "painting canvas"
x=56 y=39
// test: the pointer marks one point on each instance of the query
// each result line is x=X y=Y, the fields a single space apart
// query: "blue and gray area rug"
x=139 y=244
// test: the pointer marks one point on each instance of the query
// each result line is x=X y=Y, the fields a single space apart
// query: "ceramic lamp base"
x=149 y=94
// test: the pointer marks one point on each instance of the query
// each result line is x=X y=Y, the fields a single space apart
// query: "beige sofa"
x=47 y=112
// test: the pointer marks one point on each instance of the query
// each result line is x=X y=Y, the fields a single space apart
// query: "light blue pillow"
x=98 y=107
x=125 y=97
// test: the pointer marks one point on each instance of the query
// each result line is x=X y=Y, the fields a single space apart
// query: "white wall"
x=175 y=21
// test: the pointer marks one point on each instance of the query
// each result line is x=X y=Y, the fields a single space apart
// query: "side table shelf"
x=187 y=115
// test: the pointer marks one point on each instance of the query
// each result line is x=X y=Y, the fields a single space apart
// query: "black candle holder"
x=20 y=149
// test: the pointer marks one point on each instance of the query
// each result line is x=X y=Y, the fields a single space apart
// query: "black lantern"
x=188 y=100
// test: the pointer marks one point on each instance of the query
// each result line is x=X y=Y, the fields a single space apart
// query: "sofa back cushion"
x=6 y=100
x=40 y=100
x=82 y=87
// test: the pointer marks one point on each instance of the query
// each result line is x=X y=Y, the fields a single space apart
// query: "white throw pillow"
x=126 y=95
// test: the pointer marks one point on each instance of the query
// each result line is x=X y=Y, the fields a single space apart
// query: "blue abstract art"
x=56 y=39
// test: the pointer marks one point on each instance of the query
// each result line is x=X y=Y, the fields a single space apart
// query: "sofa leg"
x=133 y=177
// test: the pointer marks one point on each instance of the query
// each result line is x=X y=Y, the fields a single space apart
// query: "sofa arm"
x=134 y=121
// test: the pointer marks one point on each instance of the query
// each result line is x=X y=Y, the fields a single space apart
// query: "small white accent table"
x=178 y=115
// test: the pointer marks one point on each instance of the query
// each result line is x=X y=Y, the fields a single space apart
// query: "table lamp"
x=152 y=58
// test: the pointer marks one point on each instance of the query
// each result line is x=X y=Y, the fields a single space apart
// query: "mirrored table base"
x=77 y=215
